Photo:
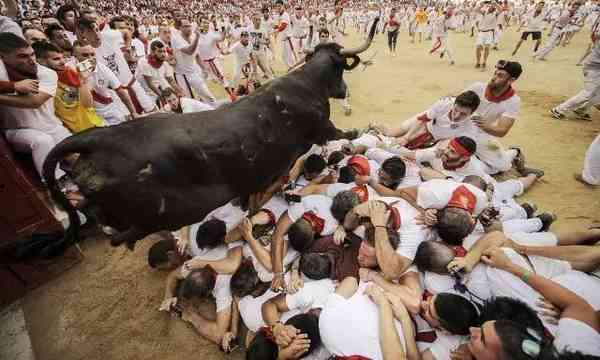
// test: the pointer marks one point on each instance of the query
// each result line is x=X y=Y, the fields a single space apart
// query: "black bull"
x=168 y=171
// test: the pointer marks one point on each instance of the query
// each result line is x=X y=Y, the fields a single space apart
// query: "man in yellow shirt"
x=421 y=21
x=73 y=101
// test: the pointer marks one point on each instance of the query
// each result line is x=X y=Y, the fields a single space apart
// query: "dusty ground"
x=106 y=307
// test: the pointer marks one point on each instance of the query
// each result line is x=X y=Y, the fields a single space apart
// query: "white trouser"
x=37 y=143
x=590 y=95
x=591 y=164
x=262 y=59
x=194 y=82
x=493 y=157
x=522 y=225
x=214 y=70
x=238 y=71
x=443 y=43
x=289 y=52
x=111 y=113
x=553 y=42
x=147 y=103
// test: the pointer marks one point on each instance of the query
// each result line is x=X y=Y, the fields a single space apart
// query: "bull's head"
x=343 y=59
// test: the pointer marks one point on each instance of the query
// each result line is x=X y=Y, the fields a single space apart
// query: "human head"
x=506 y=73
x=301 y=235
x=278 y=8
x=313 y=166
x=58 y=36
x=88 y=33
x=316 y=266
x=256 y=20
x=163 y=255
x=342 y=203
x=458 y=151
x=118 y=23
x=50 y=56
x=464 y=105
x=66 y=16
x=164 y=33
x=84 y=52
x=450 y=312
x=392 y=172
x=507 y=308
x=184 y=25
x=245 y=280
x=211 y=234
x=34 y=35
x=454 y=224
x=158 y=50
x=366 y=252
x=169 y=97
x=198 y=284
x=361 y=169
x=433 y=256
x=299 y=11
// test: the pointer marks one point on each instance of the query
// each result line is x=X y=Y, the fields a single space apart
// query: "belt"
x=101 y=99
x=486 y=30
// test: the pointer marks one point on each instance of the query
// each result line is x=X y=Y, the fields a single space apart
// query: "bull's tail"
x=73 y=144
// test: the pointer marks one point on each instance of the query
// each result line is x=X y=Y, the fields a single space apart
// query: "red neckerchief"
x=420 y=141
x=267 y=332
x=463 y=198
x=362 y=192
x=69 y=77
x=454 y=165
x=395 y=221
x=154 y=62
x=496 y=99
x=315 y=222
x=14 y=75
x=459 y=251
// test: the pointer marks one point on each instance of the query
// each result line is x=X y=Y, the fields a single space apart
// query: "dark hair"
x=158 y=253
x=62 y=11
x=262 y=348
x=395 y=168
x=245 y=280
x=468 y=99
x=114 y=20
x=511 y=309
x=335 y=157
x=315 y=266
x=347 y=175
x=456 y=314
x=166 y=92
x=10 y=42
x=199 y=283
x=453 y=225
x=433 y=256
x=512 y=334
x=342 y=203
x=301 y=235
x=307 y=324
x=211 y=234
x=314 y=164
x=85 y=24
x=42 y=48
x=51 y=29
x=156 y=45
x=476 y=181
x=393 y=237
x=467 y=143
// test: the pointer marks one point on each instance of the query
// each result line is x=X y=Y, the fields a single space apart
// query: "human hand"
x=378 y=213
x=168 y=304
x=428 y=218
x=296 y=283
x=339 y=235
x=496 y=258
x=226 y=341
x=245 y=228
x=284 y=334
x=376 y=294
x=296 y=348
x=278 y=283
x=459 y=264
x=27 y=86
x=548 y=311
x=364 y=274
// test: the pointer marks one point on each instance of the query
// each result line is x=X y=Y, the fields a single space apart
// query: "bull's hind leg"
x=129 y=236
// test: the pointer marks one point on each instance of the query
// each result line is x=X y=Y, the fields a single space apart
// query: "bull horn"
x=365 y=45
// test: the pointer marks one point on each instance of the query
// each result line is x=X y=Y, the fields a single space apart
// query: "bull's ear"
x=355 y=62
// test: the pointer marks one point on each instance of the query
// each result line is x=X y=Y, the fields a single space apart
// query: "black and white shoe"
x=547 y=219
x=582 y=115
x=557 y=114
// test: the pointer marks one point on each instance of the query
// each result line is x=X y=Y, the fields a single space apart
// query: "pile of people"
x=399 y=243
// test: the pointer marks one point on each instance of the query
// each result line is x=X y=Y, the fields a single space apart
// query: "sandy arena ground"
x=106 y=307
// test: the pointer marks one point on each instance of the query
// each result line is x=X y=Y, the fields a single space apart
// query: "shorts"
x=536 y=35
x=485 y=38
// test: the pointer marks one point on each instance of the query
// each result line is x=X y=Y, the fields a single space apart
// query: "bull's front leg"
x=129 y=236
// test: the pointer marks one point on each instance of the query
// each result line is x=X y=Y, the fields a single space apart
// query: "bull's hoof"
x=129 y=237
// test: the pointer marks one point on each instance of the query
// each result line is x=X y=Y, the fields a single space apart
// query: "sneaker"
x=451 y=62
x=547 y=219
x=530 y=209
x=348 y=111
x=528 y=171
x=519 y=160
x=477 y=66
x=557 y=114
x=582 y=115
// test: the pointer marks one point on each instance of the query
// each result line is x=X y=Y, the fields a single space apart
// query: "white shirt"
x=158 y=76
x=439 y=124
x=299 y=27
x=491 y=111
x=186 y=64
x=191 y=105
x=279 y=19
x=534 y=23
x=435 y=194
x=488 y=21
x=241 y=53
x=207 y=46
x=109 y=54
x=258 y=37
x=104 y=81
x=320 y=205
x=312 y=295
x=411 y=234
x=575 y=335
x=41 y=118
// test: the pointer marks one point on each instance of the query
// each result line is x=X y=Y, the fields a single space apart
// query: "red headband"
x=459 y=148
x=360 y=165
